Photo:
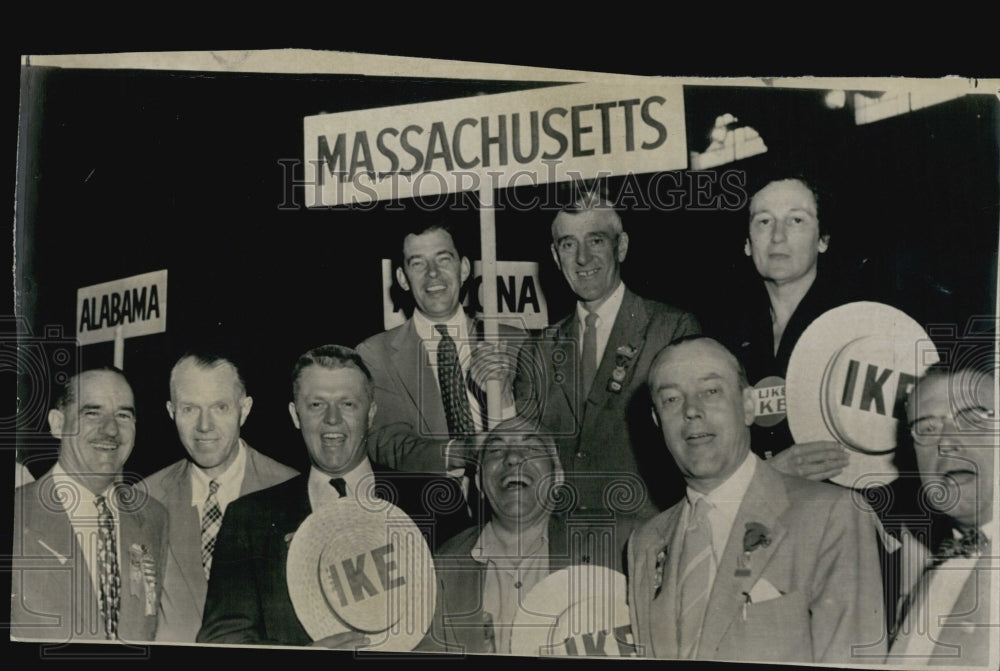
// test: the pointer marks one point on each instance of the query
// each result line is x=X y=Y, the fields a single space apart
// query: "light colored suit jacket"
x=822 y=559
x=966 y=632
x=598 y=435
x=53 y=597
x=184 y=586
x=410 y=428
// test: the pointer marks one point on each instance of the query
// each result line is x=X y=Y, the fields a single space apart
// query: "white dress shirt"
x=607 y=312
x=726 y=500
x=230 y=482
x=322 y=492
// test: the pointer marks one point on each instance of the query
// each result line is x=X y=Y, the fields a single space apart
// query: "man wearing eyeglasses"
x=946 y=564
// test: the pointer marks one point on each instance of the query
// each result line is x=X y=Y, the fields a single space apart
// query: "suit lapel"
x=185 y=533
x=661 y=617
x=409 y=361
x=764 y=502
x=563 y=361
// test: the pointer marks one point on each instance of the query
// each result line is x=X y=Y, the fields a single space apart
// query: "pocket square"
x=764 y=591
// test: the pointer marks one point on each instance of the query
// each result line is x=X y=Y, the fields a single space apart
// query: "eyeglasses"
x=927 y=430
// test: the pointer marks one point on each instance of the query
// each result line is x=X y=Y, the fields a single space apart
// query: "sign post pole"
x=488 y=255
x=119 y=348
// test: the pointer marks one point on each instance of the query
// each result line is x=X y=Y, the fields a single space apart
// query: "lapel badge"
x=627 y=351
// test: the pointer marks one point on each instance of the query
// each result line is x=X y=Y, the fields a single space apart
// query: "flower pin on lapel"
x=661 y=562
x=755 y=536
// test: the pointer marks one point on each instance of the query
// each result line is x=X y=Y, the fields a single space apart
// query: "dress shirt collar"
x=322 y=492
x=488 y=546
x=726 y=500
x=457 y=326
x=80 y=503
x=606 y=311
x=229 y=481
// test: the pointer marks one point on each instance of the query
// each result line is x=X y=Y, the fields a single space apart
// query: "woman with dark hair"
x=785 y=238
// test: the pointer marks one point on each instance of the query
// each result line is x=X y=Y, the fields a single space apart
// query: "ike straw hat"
x=848 y=379
x=362 y=566
x=580 y=610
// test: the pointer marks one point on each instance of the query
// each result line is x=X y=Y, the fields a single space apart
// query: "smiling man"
x=333 y=408
x=209 y=405
x=109 y=540
x=487 y=571
x=753 y=564
x=946 y=570
x=590 y=368
x=431 y=373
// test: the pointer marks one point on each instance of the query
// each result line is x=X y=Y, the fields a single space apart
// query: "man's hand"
x=495 y=361
x=820 y=460
x=345 y=640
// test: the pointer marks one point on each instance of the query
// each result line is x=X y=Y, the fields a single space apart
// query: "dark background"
x=128 y=172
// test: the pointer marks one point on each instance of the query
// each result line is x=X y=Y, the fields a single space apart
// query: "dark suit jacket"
x=52 y=596
x=458 y=624
x=184 y=585
x=410 y=429
x=822 y=558
x=598 y=436
x=248 y=599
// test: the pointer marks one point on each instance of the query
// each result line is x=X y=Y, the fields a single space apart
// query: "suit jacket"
x=184 y=585
x=53 y=596
x=248 y=599
x=822 y=559
x=410 y=428
x=598 y=435
x=966 y=631
x=458 y=624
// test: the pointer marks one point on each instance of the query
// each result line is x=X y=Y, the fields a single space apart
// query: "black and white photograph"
x=418 y=359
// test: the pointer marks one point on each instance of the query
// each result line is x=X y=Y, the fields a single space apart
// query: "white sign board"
x=520 y=301
x=138 y=304
x=524 y=138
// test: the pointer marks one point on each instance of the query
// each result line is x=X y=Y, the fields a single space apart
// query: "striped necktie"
x=695 y=579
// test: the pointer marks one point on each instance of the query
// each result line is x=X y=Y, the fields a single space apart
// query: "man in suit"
x=947 y=571
x=414 y=428
x=89 y=550
x=486 y=571
x=209 y=404
x=752 y=564
x=590 y=368
x=333 y=407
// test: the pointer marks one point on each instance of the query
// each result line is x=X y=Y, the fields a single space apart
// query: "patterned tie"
x=452 y=383
x=108 y=576
x=588 y=359
x=211 y=522
x=694 y=580
x=340 y=485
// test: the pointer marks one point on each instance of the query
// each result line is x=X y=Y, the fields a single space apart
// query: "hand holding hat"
x=816 y=460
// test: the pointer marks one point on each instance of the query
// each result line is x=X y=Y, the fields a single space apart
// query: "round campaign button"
x=848 y=379
x=769 y=401
x=357 y=567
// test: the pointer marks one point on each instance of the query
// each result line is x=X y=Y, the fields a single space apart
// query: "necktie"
x=340 y=485
x=452 y=384
x=972 y=542
x=211 y=522
x=109 y=579
x=588 y=358
x=695 y=579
